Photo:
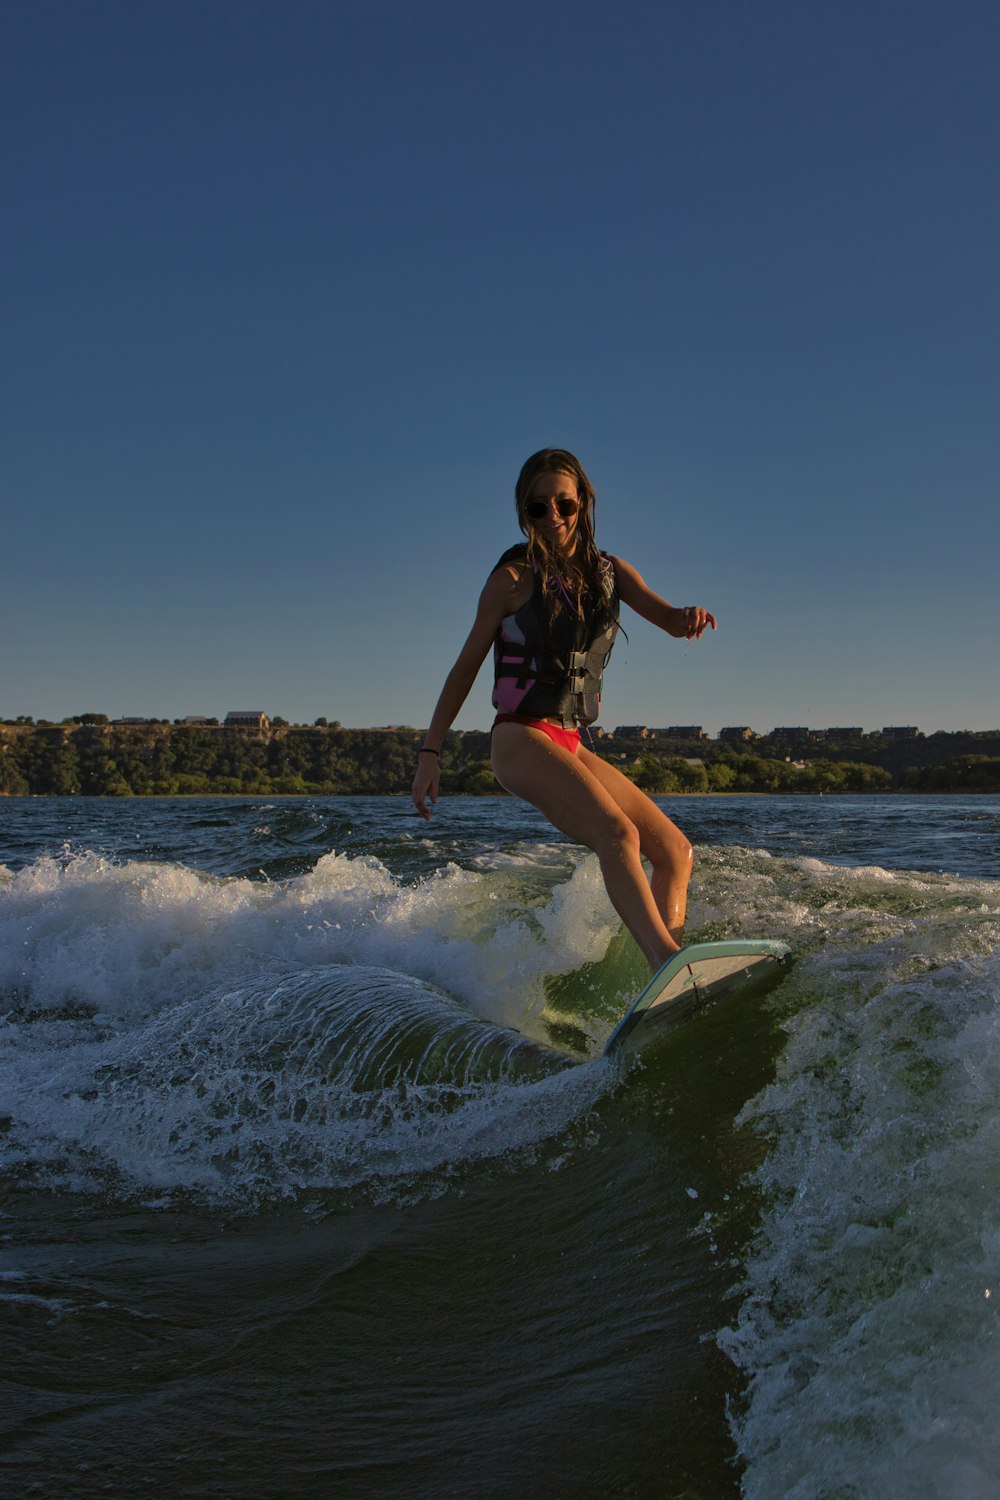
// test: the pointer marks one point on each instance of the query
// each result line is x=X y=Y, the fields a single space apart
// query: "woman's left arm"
x=686 y=622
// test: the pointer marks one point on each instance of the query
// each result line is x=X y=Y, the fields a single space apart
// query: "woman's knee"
x=668 y=846
x=620 y=836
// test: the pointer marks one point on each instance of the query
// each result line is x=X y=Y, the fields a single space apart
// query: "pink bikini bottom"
x=568 y=738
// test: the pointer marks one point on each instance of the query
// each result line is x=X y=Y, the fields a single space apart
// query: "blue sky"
x=292 y=289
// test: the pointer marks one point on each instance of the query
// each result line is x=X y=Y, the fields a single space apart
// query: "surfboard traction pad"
x=691 y=979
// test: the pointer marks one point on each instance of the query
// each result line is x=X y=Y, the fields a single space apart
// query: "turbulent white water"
x=868 y=1326
x=176 y=1030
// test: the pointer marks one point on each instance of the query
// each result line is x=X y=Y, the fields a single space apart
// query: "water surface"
x=312 y=1179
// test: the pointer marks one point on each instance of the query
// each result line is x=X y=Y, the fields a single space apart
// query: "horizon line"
x=745 y=731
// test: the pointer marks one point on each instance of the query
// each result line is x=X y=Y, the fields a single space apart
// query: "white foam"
x=244 y=1097
x=866 y=1332
x=141 y=1010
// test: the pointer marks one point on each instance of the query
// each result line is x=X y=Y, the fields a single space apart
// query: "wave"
x=867 y=1325
x=168 y=1030
x=170 y=1036
x=127 y=938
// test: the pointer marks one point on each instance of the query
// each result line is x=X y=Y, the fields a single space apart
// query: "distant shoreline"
x=457 y=796
x=98 y=759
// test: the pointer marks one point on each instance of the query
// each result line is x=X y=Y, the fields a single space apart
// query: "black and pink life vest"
x=552 y=668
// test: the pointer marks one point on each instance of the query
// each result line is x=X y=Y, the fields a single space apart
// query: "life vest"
x=552 y=668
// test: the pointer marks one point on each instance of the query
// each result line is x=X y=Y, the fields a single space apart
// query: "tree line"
x=732 y=771
x=91 y=758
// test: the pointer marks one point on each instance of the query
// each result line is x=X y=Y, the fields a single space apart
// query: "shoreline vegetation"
x=88 y=756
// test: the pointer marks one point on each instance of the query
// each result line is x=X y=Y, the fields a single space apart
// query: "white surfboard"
x=697 y=975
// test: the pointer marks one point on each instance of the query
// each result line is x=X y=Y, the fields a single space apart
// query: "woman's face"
x=553 y=510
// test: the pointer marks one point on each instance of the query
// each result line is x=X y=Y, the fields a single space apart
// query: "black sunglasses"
x=536 y=509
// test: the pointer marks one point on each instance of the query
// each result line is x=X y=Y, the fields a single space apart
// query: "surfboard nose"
x=693 y=978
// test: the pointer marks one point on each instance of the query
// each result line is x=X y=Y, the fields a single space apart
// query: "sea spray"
x=129 y=937
x=868 y=1326
x=168 y=1029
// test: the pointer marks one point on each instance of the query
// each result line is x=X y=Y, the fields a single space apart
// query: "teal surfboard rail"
x=691 y=979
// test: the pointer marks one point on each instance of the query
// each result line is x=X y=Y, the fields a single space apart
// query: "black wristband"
x=426 y=750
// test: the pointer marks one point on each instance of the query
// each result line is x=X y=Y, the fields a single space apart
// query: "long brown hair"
x=580 y=578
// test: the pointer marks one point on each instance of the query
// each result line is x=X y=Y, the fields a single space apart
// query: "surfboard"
x=693 y=978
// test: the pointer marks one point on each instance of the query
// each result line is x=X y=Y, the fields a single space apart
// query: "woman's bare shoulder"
x=512 y=581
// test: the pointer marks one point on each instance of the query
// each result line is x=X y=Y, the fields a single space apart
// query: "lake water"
x=297 y=1199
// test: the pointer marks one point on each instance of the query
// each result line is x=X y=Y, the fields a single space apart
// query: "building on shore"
x=675 y=732
x=248 y=719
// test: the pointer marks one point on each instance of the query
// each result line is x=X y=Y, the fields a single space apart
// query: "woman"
x=550 y=611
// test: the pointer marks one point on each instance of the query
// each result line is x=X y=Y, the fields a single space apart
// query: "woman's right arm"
x=494 y=603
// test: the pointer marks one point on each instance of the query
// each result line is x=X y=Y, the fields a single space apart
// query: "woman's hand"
x=425 y=783
x=694 y=621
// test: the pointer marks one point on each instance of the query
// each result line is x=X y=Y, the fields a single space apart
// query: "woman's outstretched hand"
x=425 y=784
x=694 y=621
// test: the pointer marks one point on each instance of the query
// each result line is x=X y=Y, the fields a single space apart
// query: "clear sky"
x=291 y=289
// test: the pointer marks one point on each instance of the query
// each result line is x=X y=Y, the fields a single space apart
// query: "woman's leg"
x=574 y=797
x=660 y=840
